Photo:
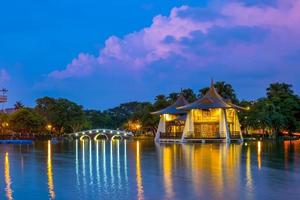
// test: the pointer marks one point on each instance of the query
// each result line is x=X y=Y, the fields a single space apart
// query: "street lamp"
x=49 y=128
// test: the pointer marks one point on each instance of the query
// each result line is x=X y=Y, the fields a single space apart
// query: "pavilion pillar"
x=227 y=131
x=161 y=127
x=238 y=126
x=189 y=125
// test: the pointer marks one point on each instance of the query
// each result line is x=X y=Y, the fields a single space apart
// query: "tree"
x=143 y=115
x=287 y=105
x=27 y=121
x=189 y=95
x=172 y=97
x=278 y=112
x=160 y=102
x=62 y=114
x=4 y=122
x=279 y=90
x=18 y=105
x=224 y=89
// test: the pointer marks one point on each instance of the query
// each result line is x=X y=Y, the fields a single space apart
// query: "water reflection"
x=249 y=181
x=259 y=154
x=49 y=172
x=167 y=172
x=8 y=182
x=123 y=169
x=140 y=188
x=104 y=165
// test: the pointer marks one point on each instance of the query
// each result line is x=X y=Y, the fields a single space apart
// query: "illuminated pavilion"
x=210 y=118
x=172 y=120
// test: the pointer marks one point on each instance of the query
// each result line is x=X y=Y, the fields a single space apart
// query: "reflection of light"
x=49 y=172
x=97 y=162
x=83 y=163
x=91 y=162
x=259 y=154
x=125 y=159
x=138 y=172
x=118 y=163
x=167 y=171
x=77 y=163
x=104 y=163
x=111 y=162
x=7 y=178
x=249 y=183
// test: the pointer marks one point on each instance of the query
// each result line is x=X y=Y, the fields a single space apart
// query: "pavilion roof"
x=172 y=109
x=210 y=100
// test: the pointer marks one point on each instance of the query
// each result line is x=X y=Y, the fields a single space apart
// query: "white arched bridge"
x=99 y=134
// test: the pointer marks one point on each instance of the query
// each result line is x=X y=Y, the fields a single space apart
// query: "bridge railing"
x=102 y=131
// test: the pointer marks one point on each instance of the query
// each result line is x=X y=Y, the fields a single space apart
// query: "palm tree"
x=18 y=105
x=172 y=97
x=224 y=89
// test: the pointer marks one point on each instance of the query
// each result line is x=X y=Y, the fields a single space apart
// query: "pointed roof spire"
x=210 y=100
x=212 y=82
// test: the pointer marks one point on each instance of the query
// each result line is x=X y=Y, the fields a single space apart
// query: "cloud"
x=81 y=66
x=4 y=76
x=232 y=36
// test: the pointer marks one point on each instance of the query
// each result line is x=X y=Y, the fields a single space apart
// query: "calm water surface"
x=145 y=170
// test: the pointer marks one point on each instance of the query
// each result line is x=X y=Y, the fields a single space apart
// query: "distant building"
x=8 y=111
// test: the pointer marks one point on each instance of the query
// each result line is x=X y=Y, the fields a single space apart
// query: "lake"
x=122 y=169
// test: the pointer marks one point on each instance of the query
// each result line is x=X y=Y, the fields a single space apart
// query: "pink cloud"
x=81 y=66
x=138 y=51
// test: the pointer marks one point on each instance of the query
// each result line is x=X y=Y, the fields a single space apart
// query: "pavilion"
x=172 y=120
x=210 y=118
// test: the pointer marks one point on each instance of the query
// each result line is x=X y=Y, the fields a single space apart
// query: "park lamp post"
x=49 y=128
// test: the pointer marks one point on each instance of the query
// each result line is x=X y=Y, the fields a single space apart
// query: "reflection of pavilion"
x=209 y=166
x=208 y=118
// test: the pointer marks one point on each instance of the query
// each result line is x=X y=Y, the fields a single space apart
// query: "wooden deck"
x=198 y=140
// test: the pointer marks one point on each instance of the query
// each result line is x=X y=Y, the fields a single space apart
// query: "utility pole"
x=3 y=97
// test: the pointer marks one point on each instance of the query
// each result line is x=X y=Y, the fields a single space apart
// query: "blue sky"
x=102 y=53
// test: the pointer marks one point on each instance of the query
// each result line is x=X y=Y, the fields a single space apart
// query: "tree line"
x=275 y=113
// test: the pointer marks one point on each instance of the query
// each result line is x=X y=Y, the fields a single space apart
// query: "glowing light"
x=168 y=117
x=49 y=127
x=8 y=182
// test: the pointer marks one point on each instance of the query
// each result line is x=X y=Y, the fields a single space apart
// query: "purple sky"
x=246 y=43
